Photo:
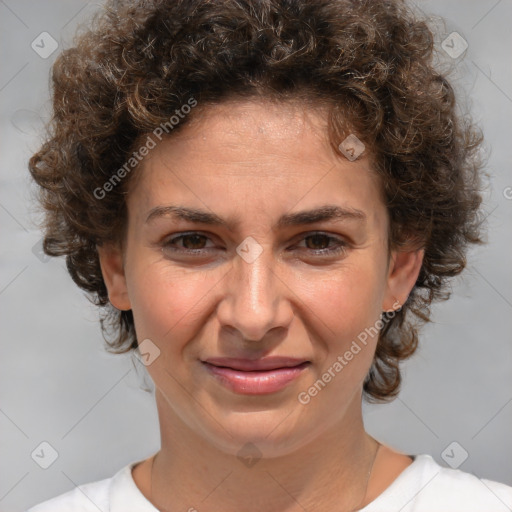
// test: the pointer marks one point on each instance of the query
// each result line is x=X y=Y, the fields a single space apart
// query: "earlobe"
x=112 y=268
x=404 y=269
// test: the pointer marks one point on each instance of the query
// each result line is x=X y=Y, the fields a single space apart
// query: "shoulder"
x=116 y=494
x=92 y=496
x=425 y=486
x=465 y=491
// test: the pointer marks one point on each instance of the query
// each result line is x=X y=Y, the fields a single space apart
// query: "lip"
x=257 y=376
x=247 y=365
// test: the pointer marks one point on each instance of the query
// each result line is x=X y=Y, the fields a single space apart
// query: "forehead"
x=246 y=131
x=260 y=155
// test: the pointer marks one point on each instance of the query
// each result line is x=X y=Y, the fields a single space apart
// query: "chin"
x=263 y=433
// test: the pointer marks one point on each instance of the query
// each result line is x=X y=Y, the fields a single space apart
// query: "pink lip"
x=255 y=377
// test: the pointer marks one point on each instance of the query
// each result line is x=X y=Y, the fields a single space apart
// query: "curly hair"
x=371 y=62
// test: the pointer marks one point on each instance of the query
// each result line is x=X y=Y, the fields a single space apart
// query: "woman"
x=263 y=197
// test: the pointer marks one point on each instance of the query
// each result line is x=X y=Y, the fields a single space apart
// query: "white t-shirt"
x=424 y=486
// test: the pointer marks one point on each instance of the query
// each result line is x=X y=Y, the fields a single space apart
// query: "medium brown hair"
x=372 y=62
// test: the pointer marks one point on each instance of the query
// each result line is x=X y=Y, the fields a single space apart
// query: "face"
x=266 y=294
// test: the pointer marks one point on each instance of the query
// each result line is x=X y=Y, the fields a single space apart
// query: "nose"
x=255 y=299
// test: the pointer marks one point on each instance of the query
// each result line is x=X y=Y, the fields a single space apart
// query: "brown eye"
x=322 y=244
x=193 y=241
x=187 y=243
x=319 y=241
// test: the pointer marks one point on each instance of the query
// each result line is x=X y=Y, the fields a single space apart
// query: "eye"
x=195 y=244
x=318 y=243
x=191 y=243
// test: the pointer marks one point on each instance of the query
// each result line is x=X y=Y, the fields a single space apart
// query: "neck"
x=331 y=472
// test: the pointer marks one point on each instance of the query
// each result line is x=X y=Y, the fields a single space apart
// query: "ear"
x=404 y=268
x=112 y=268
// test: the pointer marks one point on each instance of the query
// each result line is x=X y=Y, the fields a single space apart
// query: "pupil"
x=196 y=238
x=318 y=239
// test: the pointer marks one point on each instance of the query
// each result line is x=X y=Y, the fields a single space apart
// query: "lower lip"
x=256 y=382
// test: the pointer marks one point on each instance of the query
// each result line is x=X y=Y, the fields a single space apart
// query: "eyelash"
x=340 y=248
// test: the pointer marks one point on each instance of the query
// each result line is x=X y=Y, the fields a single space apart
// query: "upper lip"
x=266 y=363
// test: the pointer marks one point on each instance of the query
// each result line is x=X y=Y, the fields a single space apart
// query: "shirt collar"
x=125 y=496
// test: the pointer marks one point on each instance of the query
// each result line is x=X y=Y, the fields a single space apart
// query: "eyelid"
x=340 y=243
x=180 y=235
x=327 y=234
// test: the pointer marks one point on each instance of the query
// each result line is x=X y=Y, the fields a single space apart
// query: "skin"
x=253 y=161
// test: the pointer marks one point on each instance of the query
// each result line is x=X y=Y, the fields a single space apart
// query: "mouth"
x=249 y=365
x=257 y=376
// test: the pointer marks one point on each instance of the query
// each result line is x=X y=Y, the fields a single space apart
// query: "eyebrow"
x=322 y=213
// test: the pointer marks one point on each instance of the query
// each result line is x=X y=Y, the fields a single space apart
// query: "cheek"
x=166 y=302
x=347 y=301
x=348 y=314
x=173 y=304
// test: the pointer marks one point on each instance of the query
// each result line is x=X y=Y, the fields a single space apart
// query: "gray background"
x=59 y=385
